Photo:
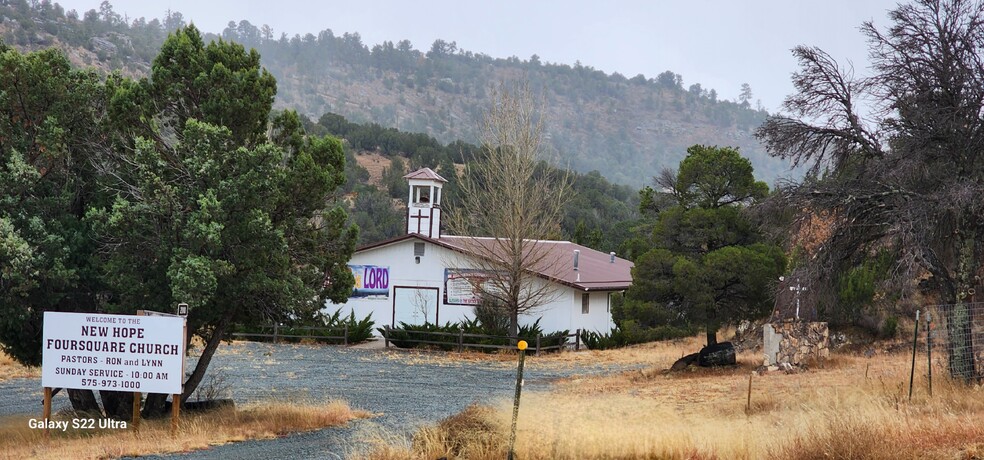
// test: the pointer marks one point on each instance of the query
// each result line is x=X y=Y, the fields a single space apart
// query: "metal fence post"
x=929 y=350
x=386 y=340
x=915 y=341
x=346 y=335
x=461 y=340
x=519 y=388
x=577 y=341
x=276 y=330
x=748 y=404
x=538 y=344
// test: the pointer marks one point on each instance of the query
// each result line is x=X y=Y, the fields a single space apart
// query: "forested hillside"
x=627 y=128
x=602 y=214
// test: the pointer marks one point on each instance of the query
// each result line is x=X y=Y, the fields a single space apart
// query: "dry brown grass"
x=198 y=431
x=830 y=411
x=645 y=354
x=10 y=369
x=476 y=432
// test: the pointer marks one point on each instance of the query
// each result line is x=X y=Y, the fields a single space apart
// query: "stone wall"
x=794 y=342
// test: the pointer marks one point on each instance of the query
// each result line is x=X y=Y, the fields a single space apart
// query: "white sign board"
x=112 y=352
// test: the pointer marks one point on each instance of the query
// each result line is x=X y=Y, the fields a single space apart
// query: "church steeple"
x=424 y=203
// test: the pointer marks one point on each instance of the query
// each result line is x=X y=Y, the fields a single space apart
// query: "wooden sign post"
x=175 y=412
x=137 y=396
x=176 y=398
x=135 y=418
x=47 y=413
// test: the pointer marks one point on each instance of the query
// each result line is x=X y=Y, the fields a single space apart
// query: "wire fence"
x=952 y=335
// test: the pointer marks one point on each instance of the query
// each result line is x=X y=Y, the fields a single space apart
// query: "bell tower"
x=424 y=203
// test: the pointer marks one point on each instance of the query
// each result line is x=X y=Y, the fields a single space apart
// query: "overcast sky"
x=717 y=43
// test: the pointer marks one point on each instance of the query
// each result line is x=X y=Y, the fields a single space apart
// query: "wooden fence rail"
x=461 y=344
x=276 y=335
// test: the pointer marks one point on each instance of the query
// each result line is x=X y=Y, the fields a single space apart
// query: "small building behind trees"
x=427 y=276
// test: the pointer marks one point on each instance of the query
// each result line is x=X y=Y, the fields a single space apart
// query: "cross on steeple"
x=419 y=218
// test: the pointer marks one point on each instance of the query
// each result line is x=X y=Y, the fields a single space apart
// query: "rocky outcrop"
x=103 y=45
x=795 y=342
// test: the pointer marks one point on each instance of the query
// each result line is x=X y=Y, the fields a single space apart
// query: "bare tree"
x=510 y=200
x=911 y=174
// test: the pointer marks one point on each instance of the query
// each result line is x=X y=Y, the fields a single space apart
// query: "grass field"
x=10 y=369
x=848 y=407
x=18 y=440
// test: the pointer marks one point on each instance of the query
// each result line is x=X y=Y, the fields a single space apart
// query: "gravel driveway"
x=406 y=388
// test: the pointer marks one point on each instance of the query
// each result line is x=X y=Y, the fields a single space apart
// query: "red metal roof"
x=595 y=270
x=425 y=174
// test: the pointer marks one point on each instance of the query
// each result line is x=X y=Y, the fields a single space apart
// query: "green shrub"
x=407 y=335
x=360 y=330
x=322 y=329
x=890 y=327
x=856 y=289
x=446 y=337
x=598 y=341
x=631 y=333
x=492 y=318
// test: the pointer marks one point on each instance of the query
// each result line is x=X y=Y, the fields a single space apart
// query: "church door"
x=415 y=305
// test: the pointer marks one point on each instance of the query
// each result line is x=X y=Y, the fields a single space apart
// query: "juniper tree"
x=49 y=138
x=121 y=195
x=206 y=210
x=709 y=266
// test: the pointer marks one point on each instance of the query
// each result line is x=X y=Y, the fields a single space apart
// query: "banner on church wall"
x=371 y=281
x=463 y=286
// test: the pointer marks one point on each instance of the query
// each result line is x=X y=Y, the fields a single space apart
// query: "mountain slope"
x=626 y=128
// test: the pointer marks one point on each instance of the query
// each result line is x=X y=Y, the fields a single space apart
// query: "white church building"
x=426 y=276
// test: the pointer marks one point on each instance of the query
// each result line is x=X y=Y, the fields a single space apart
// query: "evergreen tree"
x=709 y=266
x=49 y=143
x=393 y=180
x=373 y=212
x=212 y=214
